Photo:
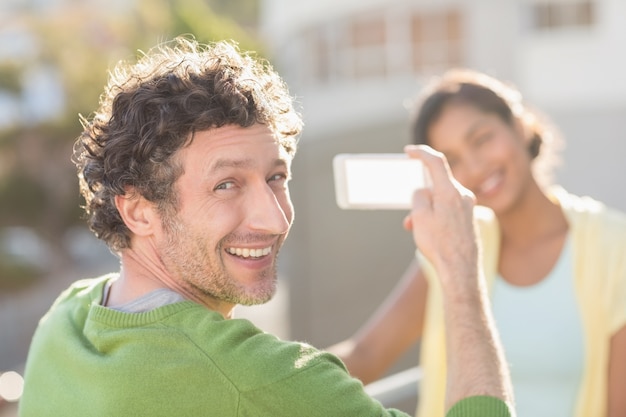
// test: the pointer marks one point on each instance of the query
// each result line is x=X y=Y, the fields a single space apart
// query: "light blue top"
x=540 y=327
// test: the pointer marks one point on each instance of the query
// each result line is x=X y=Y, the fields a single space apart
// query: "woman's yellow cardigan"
x=598 y=234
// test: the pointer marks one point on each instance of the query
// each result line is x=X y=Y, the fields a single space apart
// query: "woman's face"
x=486 y=154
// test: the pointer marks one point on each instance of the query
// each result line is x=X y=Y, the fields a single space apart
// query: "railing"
x=398 y=390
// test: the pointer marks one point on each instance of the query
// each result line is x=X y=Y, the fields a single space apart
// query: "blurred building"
x=353 y=64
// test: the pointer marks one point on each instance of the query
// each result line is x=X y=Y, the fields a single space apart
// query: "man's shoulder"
x=85 y=288
x=247 y=355
x=82 y=292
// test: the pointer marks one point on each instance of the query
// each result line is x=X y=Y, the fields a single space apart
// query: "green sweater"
x=183 y=360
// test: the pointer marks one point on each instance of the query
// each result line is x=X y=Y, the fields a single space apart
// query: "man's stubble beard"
x=186 y=256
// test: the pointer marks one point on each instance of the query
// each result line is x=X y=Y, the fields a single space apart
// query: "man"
x=184 y=169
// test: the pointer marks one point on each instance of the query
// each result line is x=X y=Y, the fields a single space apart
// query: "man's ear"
x=138 y=214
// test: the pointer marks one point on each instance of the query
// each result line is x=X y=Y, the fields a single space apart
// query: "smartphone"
x=384 y=181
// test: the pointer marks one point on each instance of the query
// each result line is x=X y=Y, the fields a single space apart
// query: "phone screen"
x=377 y=181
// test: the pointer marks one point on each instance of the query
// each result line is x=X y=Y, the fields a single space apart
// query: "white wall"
x=578 y=67
x=578 y=77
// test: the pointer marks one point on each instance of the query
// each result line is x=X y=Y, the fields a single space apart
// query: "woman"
x=555 y=264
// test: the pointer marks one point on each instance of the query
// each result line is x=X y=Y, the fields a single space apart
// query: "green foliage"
x=82 y=41
x=22 y=199
x=10 y=77
x=15 y=275
x=196 y=17
x=245 y=12
x=7 y=138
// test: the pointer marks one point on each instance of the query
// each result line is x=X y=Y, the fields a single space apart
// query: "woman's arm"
x=617 y=375
x=393 y=328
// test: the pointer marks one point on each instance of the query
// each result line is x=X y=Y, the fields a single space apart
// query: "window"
x=381 y=44
x=559 y=14
x=318 y=65
x=436 y=41
x=364 y=44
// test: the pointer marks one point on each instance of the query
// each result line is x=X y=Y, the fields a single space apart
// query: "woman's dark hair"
x=489 y=95
x=151 y=109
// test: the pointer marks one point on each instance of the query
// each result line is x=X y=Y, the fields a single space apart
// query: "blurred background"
x=353 y=65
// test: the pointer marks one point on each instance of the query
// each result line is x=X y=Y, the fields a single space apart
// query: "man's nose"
x=269 y=212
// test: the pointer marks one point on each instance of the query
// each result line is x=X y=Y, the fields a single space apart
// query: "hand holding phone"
x=383 y=181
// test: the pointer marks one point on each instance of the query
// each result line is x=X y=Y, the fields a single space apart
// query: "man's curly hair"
x=151 y=109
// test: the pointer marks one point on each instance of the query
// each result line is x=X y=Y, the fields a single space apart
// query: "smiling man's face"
x=233 y=214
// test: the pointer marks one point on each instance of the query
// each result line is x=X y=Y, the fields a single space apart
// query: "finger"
x=422 y=207
x=408 y=223
x=465 y=192
x=435 y=162
x=422 y=199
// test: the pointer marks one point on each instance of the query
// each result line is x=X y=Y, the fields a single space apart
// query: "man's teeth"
x=249 y=253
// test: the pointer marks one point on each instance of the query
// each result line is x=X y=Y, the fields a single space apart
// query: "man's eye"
x=278 y=177
x=225 y=185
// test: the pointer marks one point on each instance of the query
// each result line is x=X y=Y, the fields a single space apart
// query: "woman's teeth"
x=249 y=253
x=490 y=183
